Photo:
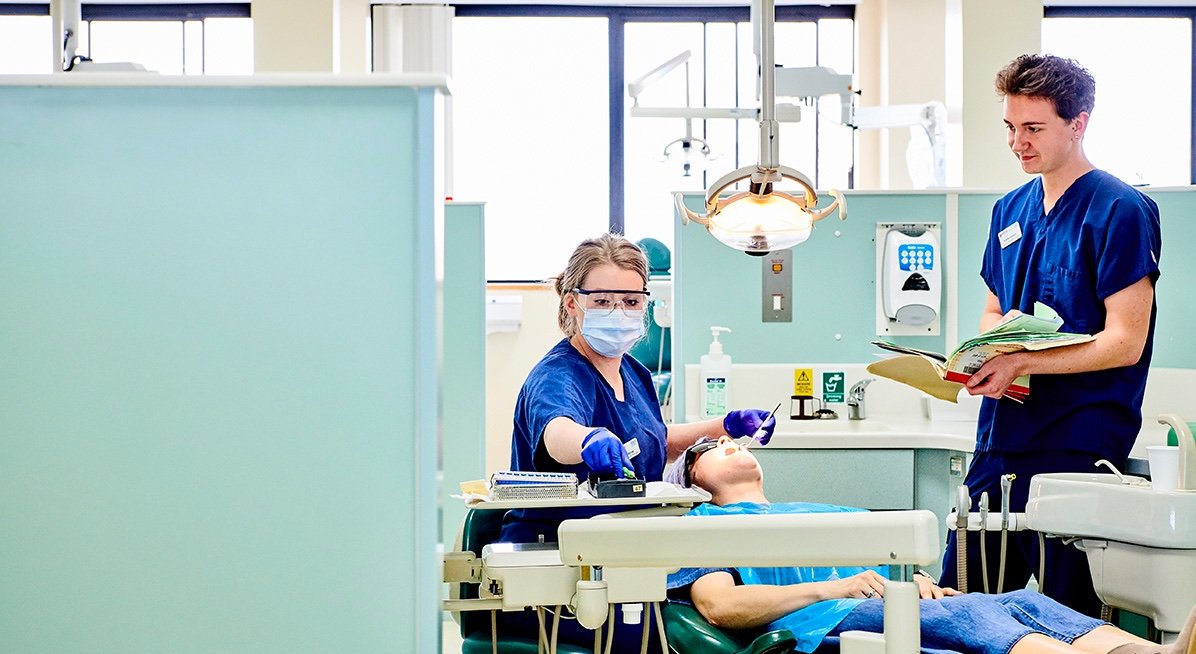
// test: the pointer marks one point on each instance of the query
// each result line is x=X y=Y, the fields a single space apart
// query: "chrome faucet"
x=855 y=399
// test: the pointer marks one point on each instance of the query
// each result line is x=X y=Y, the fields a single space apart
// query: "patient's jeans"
x=976 y=623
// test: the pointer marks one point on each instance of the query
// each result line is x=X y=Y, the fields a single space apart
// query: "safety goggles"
x=691 y=457
x=603 y=302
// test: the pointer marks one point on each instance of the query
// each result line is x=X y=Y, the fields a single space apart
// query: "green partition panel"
x=1176 y=315
x=975 y=213
x=1177 y=276
x=218 y=374
x=834 y=290
x=834 y=283
x=463 y=449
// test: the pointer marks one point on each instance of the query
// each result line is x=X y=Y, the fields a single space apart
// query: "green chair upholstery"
x=687 y=630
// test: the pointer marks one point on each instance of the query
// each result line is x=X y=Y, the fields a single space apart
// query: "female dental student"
x=586 y=406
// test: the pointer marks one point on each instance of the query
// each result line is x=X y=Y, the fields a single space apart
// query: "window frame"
x=1145 y=12
x=617 y=19
x=166 y=11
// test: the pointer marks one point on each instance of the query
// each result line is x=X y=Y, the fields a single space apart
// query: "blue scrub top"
x=565 y=384
x=1101 y=236
x=810 y=624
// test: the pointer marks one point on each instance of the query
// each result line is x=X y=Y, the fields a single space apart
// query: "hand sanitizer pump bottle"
x=716 y=377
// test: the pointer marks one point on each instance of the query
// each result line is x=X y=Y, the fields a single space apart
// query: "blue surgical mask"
x=612 y=335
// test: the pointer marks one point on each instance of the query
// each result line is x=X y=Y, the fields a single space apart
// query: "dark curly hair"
x=1067 y=84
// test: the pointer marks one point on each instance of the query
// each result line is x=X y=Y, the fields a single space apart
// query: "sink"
x=1140 y=543
x=1102 y=506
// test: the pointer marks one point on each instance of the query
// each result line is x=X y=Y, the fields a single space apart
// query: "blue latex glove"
x=603 y=452
x=746 y=422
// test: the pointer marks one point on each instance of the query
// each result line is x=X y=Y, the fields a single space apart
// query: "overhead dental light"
x=690 y=151
x=763 y=218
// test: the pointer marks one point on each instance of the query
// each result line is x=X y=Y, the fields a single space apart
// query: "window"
x=1141 y=126
x=172 y=39
x=530 y=136
x=563 y=159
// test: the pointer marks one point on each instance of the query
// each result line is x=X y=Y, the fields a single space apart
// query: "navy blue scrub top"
x=1101 y=237
x=565 y=384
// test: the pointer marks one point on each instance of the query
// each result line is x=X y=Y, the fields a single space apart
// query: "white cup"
x=1164 y=466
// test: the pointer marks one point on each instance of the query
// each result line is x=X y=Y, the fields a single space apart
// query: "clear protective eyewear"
x=604 y=302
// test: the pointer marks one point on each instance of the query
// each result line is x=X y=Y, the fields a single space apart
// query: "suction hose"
x=962 y=504
x=984 y=538
x=1006 y=491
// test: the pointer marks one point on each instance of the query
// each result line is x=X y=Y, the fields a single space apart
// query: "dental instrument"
x=746 y=441
x=984 y=538
x=1006 y=491
x=963 y=503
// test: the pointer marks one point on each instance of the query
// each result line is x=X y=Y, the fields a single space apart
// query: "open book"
x=942 y=376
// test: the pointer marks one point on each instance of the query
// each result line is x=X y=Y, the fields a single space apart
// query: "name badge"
x=633 y=447
x=1009 y=235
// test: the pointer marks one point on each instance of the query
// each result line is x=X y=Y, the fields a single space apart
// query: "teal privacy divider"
x=463 y=449
x=1176 y=313
x=834 y=283
x=975 y=212
x=219 y=381
x=834 y=293
x=1177 y=276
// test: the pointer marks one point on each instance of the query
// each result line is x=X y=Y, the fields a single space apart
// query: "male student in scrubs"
x=1077 y=242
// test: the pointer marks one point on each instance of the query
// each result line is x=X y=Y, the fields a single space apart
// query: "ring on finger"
x=870 y=594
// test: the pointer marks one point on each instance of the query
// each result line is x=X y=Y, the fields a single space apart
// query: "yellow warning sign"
x=803 y=381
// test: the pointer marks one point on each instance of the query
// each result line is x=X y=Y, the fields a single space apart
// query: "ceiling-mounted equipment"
x=763 y=218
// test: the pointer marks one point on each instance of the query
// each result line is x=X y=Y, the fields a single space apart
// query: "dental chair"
x=686 y=629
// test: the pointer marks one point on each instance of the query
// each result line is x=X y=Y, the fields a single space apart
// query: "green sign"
x=832 y=387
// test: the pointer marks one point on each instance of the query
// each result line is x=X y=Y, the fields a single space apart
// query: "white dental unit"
x=1140 y=542
x=626 y=557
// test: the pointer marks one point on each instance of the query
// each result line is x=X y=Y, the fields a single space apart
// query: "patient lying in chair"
x=819 y=603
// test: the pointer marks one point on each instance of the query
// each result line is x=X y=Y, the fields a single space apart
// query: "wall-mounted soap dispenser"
x=909 y=275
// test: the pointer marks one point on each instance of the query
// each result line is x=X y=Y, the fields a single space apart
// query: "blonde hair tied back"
x=590 y=254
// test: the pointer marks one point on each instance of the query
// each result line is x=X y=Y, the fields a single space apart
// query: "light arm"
x=992 y=313
x=725 y=604
x=730 y=606
x=681 y=436
x=562 y=439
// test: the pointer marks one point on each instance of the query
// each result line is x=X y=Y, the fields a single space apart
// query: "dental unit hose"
x=1006 y=491
x=962 y=504
x=1042 y=564
x=984 y=538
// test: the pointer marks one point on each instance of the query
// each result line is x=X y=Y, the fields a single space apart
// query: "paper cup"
x=1164 y=466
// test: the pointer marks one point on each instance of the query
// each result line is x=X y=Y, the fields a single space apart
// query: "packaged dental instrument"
x=607 y=485
x=716 y=377
x=942 y=375
x=516 y=485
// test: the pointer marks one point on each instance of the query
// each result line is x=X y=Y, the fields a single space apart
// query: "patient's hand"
x=927 y=589
x=865 y=585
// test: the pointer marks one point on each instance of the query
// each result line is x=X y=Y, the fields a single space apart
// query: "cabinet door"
x=870 y=479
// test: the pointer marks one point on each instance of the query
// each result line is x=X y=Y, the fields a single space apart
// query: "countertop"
x=876 y=432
